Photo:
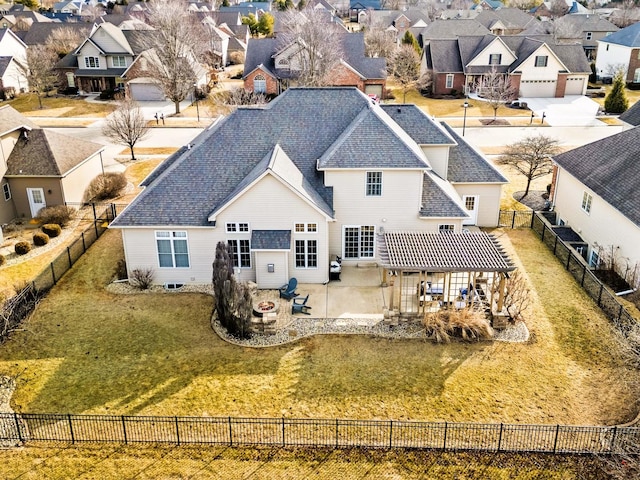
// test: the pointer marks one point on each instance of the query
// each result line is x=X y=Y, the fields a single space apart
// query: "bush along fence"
x=16 y=429
x=19 y=306
x=574 y=263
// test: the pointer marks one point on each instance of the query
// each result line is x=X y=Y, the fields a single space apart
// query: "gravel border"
x=7 y=425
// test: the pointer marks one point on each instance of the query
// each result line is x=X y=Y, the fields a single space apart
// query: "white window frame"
x=242 y=259
x=373 y=184
x=122 y=61
x=449 y=80
x=588 y=35
x=260 y=84
x=88 y=61
x=636 y=73
x=172 y=237
x=302 y=227
x=594 y=258
x=237 y=227
x=365 y=250
x=6 y=191
x=587 y=201
x=446 y=228
x=306 y=254
x=495 y=56
x=541 y=60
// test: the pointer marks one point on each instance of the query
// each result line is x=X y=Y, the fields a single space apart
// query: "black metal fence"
x=515 y=218
x=286 y=432
x=102 y=214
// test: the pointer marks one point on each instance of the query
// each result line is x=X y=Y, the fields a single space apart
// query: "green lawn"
x=88 y=351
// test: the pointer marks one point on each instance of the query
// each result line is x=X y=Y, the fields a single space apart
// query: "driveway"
x=572 y=110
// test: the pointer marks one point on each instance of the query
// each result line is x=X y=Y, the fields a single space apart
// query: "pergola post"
x=384 y=278
x=500 y=292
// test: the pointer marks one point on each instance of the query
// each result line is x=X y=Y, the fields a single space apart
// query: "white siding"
x=610 y=56
x=279 y=276
x=576 y=85
x=106 y=42
x=89 y=50
x=540 y=81
x=438 y=157
x=495 y=47
x=603 y=225
x=75 y=184
x=488 y=203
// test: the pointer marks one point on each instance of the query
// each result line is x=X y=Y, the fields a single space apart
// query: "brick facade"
x=634 y=63
x=561 y=85
x=440 y=84
x=272 y=83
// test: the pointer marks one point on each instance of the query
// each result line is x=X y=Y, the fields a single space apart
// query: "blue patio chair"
x=299 y=305
x=288 y=291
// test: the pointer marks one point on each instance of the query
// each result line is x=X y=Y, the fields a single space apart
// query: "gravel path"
x=7 y=425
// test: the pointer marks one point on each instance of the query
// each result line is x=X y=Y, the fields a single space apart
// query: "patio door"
x=471 y=205
x=36 y=200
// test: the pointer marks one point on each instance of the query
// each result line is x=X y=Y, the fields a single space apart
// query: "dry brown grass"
x=60 y=106
x=149 y=151
x=216 y=462
x=469 y=324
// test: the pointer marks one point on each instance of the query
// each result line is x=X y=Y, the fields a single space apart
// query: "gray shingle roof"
x=39 y=32
x=305 y=124
x=443 y=56
x=436 y=203
x=45 y=153
x=449 y=29
x=270 y=239
x=629 y=37
x=11 y=119
x=418 y=125
x=511 y=18
x=4 y=63
x=466 y=165
x=632 y=116
x=609 y=167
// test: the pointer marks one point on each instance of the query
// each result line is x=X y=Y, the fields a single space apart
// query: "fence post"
x=283 y=434
x=230 y=434
x=544 y=227
x=124 y=429
x=113 y=211
x=513 y=220
x=533 y=217
x=69 y=257
x=84 y=245
x=555 y=244
x=600 y=293
x=95 y=227
x=500 y=438
x=95 y=217
x=444 y=443
x=18 y=429
x=177 y=430
x=390 y=433
x=73 y=440
x=620 y=312
x=584 y=272
x=336 y=433
x=555 y=440
x=613 y=440
x=53 y=273
x=568 y=257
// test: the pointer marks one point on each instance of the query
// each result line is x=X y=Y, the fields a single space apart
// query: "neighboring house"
x=584 y=28
x=329 y=170
x=13 y=62
x=245 y=8
x=41 y=168
x=218 y=43
x=445 y=29
x=536 y=66
x=632 y=116
x=39 y=33
x=488 y=5
x=620 y=50
x=270 y=70
x=360 y=7
x=505 y=21
x=22 y=21
x=397 y=22
x=596 y=194
x=68 y=7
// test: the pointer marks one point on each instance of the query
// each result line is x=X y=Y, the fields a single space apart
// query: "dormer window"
x=92 y=62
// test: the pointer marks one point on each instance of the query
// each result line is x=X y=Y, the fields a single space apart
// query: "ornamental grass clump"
x=40 y=239
x=51 y=229
x=465 y=323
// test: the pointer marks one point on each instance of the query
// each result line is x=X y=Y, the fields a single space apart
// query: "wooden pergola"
x=443 y=269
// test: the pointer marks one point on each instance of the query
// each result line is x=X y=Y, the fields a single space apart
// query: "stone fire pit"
x=265 y=306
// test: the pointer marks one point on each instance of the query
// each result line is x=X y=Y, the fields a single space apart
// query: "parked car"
x=518 y=104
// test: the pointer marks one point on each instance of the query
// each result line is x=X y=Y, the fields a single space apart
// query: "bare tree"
x=564 y=31
x=173 y=61
x=378 y=41
x=39 y=69
x=531 y=157
x=228 y=101
x=126 y=125
x=558 y=8
x=626 y=15
x=516 y=295
x=314 y=44
x=496 y=89
x=65 y=39
x=404 y=67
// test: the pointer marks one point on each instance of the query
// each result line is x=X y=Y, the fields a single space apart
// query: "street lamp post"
x=195 y=95
x=465 y=105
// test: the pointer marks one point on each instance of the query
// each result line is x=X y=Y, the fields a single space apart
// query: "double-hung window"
x=374 y=184
x=447 y=227
x=449 y=81
x=6 y=191
x=240 y=252
x=586 y=202
x=541 y=60
x=495 y=59
x=306 y=253
x=92 y=62
x=306 y=227
x=238 y=227
x=173 y=249
x=119 y=61
x=359 y=241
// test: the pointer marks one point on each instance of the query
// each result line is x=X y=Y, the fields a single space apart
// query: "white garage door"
x=145 y=92
x=538 y=88
x=574 y=86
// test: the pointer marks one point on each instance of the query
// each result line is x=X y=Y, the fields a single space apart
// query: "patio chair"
x=299 y=305
x=288 y=291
